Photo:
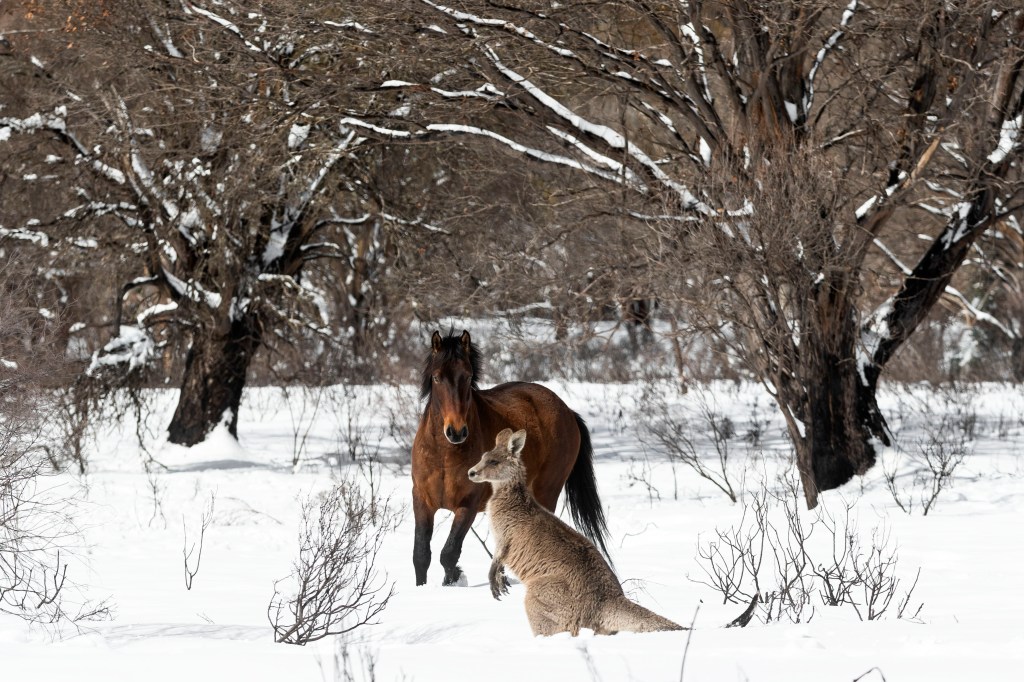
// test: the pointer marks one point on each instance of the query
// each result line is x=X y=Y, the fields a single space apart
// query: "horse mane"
x=451 y=349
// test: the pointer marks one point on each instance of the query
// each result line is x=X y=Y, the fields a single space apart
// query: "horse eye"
x=436 y=379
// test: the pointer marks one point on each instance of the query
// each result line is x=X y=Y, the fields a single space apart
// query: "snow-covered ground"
x=134 y=526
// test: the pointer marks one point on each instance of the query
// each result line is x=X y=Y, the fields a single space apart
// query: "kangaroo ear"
x=502 y=437
x=435 y=341
x=516 y=442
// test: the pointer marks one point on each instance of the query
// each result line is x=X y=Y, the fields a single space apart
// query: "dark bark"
x=837 y=409
x=215 y=371
x=922 y=287
x=842 y=420
x=1017 y=359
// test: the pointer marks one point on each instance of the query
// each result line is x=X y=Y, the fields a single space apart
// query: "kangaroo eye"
x=492 y=461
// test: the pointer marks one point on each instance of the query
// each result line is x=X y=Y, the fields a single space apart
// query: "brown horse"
x=460 y=421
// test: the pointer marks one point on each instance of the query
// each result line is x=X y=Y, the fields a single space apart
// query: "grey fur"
x=569 y=585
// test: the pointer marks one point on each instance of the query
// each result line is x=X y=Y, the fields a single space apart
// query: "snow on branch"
x=165 y=38
x=819 y=58
x=23 y=234
x=217 y=19
x=193 y=291
x=485 y=91
x=698 y=49
x=950 y=292
x=283 y=227
x=57 y=122
x=611 y=137
x=501 y=24
x=1009 y=138
x=414 y=223
x=132 y=347
x=482 y=132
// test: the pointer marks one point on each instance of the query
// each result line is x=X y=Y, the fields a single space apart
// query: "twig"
x=484 y=544
x=876 y=669
x=689 y=635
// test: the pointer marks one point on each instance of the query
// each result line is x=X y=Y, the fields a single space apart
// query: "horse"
x=460 y=420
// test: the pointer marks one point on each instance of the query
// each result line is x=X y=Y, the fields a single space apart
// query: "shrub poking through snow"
x=770 y=553
x=945 y=436
x=37 y=529
x=335 y=585
x=683 y=433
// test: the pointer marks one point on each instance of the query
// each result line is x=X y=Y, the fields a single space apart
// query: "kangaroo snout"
x=473 y=474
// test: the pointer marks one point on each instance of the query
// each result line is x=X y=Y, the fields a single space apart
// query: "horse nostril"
x=464 y=433
x=449 y=432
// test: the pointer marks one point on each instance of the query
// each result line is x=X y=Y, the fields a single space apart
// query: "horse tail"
x=581 y=493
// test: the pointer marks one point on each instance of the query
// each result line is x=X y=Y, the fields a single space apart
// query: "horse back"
x=553 y=436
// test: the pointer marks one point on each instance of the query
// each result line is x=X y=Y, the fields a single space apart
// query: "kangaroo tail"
x=622 y=615
x=581 y=493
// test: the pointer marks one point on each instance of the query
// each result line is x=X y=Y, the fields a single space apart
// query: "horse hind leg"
x=622 y=615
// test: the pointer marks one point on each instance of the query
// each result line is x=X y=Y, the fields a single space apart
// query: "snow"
x=959 y=227
x=1008 y=135
x=705 y=151
x=132 y=346
x=349 y=24
x=153 y=310
x=193 y=291
x=134 y=525
x=863 y=209
x=791 y=111
x=824 y=51
x=275 y=245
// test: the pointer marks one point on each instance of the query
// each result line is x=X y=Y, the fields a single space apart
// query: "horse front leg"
x=452 y=549
x=424 y=516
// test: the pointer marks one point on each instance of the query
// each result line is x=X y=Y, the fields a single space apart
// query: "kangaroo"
x=569 y=585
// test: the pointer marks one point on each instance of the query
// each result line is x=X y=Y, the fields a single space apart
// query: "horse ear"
x=465 y=341
x=435 y=341
x=516 y=442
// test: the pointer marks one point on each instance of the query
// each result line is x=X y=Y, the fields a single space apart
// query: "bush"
x=335 y=586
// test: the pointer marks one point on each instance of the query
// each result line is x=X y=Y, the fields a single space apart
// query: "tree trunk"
x=215 y=371
x=832 y=410
x=1017 y=359
x=840 y=426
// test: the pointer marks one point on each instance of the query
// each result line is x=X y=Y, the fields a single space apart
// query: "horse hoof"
x=458 y=580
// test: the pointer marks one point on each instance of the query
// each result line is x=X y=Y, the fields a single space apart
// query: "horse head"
x=449 y=379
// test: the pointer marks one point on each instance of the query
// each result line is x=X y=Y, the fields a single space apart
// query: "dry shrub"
x=335 y=585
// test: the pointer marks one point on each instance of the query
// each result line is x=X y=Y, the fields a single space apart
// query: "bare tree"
x=197 y=150
x=769 y=159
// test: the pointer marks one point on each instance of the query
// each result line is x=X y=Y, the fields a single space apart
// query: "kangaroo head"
x=503 y=463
